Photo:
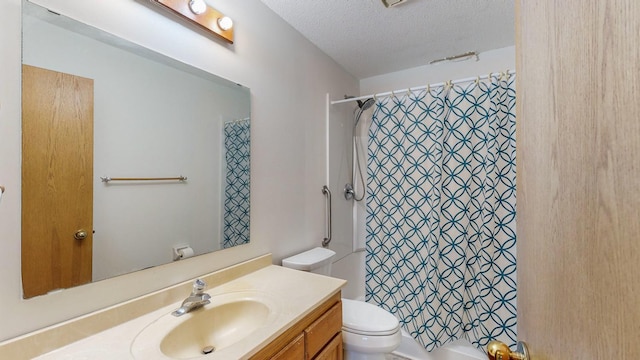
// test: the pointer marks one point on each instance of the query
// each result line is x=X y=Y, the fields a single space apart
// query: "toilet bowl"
x=368 y=331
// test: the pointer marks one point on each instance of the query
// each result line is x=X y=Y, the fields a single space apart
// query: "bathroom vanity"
x=316 y=336
x=257 y=311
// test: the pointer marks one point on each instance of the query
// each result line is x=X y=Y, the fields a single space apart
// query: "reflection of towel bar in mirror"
x=106 y=179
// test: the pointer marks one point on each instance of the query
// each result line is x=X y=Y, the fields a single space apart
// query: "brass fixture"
x=80 y=234
x=201 y=14
x=497 y=350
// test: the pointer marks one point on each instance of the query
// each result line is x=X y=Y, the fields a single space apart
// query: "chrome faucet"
x=197 y=299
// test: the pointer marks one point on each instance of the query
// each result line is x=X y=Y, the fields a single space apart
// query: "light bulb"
x=197 y=6
x=225 y=23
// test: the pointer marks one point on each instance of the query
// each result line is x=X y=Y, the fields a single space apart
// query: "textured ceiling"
x=368 y=39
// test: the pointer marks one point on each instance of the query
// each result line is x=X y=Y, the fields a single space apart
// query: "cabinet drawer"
x=293 y=351
x=321 y=331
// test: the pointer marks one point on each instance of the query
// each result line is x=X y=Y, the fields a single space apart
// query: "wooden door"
x=578 y=170
x=57 y=180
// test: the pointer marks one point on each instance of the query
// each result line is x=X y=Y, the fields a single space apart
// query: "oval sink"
x=215 y=327
x=229 y=319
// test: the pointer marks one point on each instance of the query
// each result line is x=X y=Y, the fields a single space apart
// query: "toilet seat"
x=362 y=318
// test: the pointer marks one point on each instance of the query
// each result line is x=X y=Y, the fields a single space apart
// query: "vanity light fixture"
x=197 y=6
x=201 y=14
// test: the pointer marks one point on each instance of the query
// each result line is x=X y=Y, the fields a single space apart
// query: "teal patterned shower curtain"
x=441 y=211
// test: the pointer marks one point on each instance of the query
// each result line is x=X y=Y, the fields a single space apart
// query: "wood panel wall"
x=578 y=134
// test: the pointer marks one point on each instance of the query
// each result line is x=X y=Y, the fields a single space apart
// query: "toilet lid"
x=367 y=319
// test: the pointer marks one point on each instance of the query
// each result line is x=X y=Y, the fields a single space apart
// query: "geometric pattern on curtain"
x=441 y=212
x=237 y=183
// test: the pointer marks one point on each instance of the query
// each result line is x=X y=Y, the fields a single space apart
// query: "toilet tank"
x=317 y=260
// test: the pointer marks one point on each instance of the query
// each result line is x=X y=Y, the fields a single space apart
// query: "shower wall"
x=351 y=266
x=489 y=61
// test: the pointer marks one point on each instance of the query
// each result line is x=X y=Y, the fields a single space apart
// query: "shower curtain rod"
x=441 y=84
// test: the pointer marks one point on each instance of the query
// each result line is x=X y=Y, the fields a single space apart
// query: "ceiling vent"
x=392 y=3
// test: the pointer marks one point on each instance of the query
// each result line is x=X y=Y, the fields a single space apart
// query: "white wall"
x=289 y=79
x=489 y=61
x=351 y=267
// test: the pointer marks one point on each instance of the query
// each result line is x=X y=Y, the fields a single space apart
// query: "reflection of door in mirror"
x=57 y=186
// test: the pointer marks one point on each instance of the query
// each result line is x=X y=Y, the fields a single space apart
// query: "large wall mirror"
x=96 y=106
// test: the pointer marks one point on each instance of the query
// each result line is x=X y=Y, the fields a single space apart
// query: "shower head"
x=362 y=106
x=365 y=105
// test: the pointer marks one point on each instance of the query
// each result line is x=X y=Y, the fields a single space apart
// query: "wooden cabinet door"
x=293 y=351
x=333 y=350
x=57 y=180
x=321 y=331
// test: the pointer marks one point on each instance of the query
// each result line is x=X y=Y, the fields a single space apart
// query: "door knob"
x=497 y=350
x=80 y=234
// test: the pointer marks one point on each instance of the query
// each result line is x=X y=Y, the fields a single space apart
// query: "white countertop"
x=295 y=294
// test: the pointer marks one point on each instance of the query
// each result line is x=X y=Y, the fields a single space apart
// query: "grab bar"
x=327 y=193
x=107 y=179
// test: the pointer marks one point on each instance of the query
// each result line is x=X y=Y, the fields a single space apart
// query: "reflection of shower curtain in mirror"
x=441 y=216
x=236 y=189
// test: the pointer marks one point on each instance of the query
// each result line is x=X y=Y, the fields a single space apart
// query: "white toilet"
x=368 y=331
